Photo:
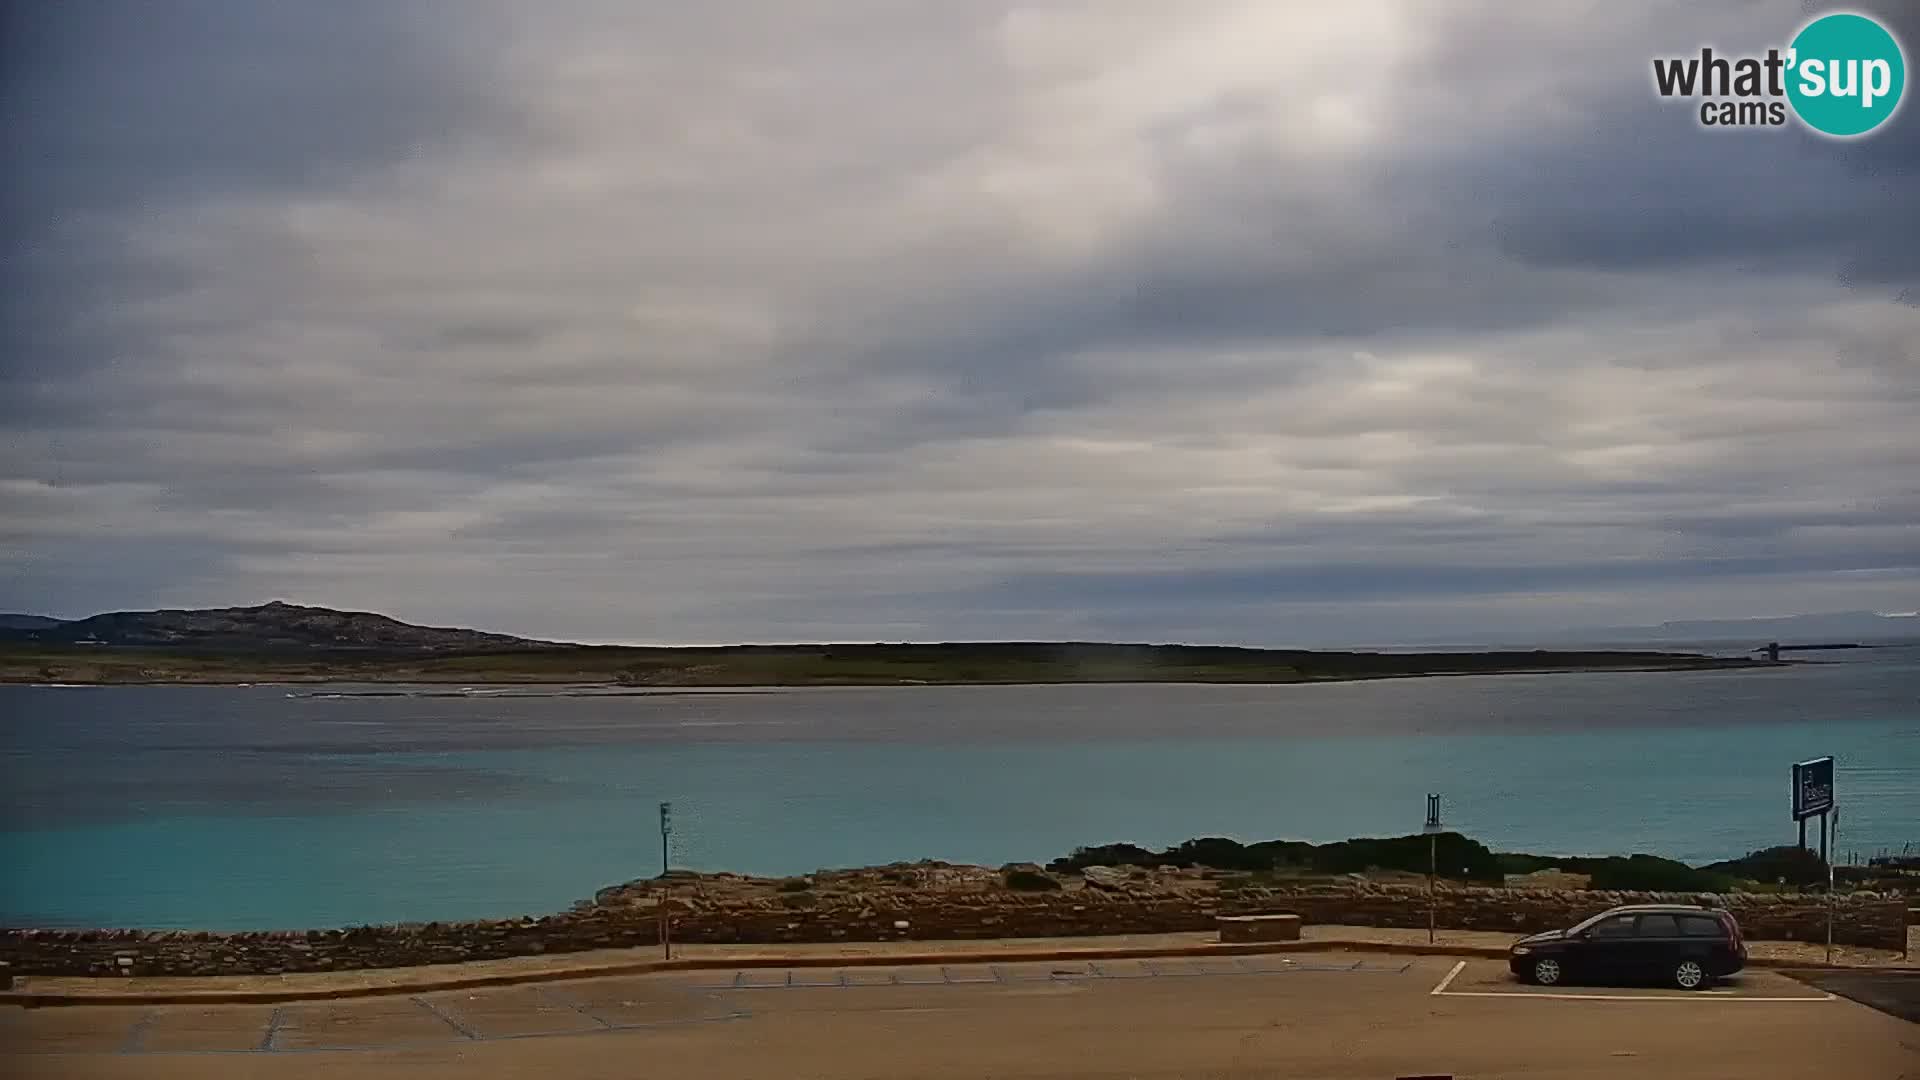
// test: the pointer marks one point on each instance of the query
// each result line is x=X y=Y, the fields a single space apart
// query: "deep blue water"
x=242 y=807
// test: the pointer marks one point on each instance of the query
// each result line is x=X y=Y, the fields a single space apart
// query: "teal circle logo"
x=1845 y=74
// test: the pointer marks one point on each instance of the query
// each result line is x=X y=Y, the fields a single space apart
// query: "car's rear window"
x=1701 y=926
x=1659 y=926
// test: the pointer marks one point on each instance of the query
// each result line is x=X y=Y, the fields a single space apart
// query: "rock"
x=1104 y=877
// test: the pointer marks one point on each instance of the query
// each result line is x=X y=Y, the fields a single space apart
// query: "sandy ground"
x=1344 y=1015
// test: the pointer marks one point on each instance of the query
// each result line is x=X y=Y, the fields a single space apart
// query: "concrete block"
x=1242 y=928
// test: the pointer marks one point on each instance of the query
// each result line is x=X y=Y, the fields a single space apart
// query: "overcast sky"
x=669 y=322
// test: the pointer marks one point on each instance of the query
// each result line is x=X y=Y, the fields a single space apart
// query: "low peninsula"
x=286 y=643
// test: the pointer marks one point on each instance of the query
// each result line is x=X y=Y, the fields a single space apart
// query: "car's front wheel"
x=1690 y=975
x=1546 y=971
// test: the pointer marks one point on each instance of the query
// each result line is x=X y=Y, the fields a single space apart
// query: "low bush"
x=1515 y=862
x=1457 y=856
x=1649 y=873
x=1030 y=881
x=1217 y=853
x=1105 y=855
x=1789 y=863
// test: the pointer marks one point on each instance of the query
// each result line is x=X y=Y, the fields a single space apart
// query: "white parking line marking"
x=1613 y=997
x=1709 y=995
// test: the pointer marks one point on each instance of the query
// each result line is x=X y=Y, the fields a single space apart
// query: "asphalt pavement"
x=1337 y=1016
x=1896 y=993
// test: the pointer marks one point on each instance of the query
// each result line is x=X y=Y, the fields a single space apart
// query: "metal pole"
x=1433 y=866
x=1825 y=831
x=666 y=884
x=1432 y=829
x=1803 y=834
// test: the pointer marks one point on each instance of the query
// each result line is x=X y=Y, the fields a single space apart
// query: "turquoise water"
x=242 y=807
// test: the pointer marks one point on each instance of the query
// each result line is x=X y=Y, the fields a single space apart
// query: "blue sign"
x=1812 y=788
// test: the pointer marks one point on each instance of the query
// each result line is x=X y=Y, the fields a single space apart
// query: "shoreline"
x=908 y=903
x=1006 y=663
x=1201 y=868
x=593 y=686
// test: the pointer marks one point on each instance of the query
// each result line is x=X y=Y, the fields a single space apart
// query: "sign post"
x=1432 y=828
x=666 y=830
x=1830 y=899
x=1813 y=797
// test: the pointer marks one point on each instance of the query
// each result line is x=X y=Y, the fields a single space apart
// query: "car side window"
x=1659 y=926
x=1620 y=926
x=1700 y=926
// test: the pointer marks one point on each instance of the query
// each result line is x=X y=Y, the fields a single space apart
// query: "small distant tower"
x=1773 y=652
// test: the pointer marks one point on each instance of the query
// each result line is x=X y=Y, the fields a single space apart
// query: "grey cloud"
x=81 y=576
x=113 y=108
x=496 y=333
x=678 y=324
x=1385 y=580
x=115 y=114
x=1640 y=185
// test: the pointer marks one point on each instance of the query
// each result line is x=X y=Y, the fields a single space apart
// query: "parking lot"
x=1305 y=1015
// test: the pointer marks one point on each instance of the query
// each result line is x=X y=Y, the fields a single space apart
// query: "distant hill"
x=10 y=621
x=265 y=628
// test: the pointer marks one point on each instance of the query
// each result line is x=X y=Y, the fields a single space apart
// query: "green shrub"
x=1457 y=856
x=1217 y=853
x=795 y=884
x=1105 y=855
x=1769 y=865
x=1514 y=862
x=1029 y=881
x=1649 y=873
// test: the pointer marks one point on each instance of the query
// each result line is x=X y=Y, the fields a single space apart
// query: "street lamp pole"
x=1432 y=828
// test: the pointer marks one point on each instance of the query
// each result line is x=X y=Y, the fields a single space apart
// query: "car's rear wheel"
x=1546 y=971
x=1690 y=975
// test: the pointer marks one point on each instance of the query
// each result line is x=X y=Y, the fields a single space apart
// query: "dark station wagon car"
x=1681 y=946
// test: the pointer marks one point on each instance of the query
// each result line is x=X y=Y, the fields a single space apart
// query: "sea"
x=272 y=807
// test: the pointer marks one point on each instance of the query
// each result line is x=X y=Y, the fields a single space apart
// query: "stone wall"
x=1862 y=919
